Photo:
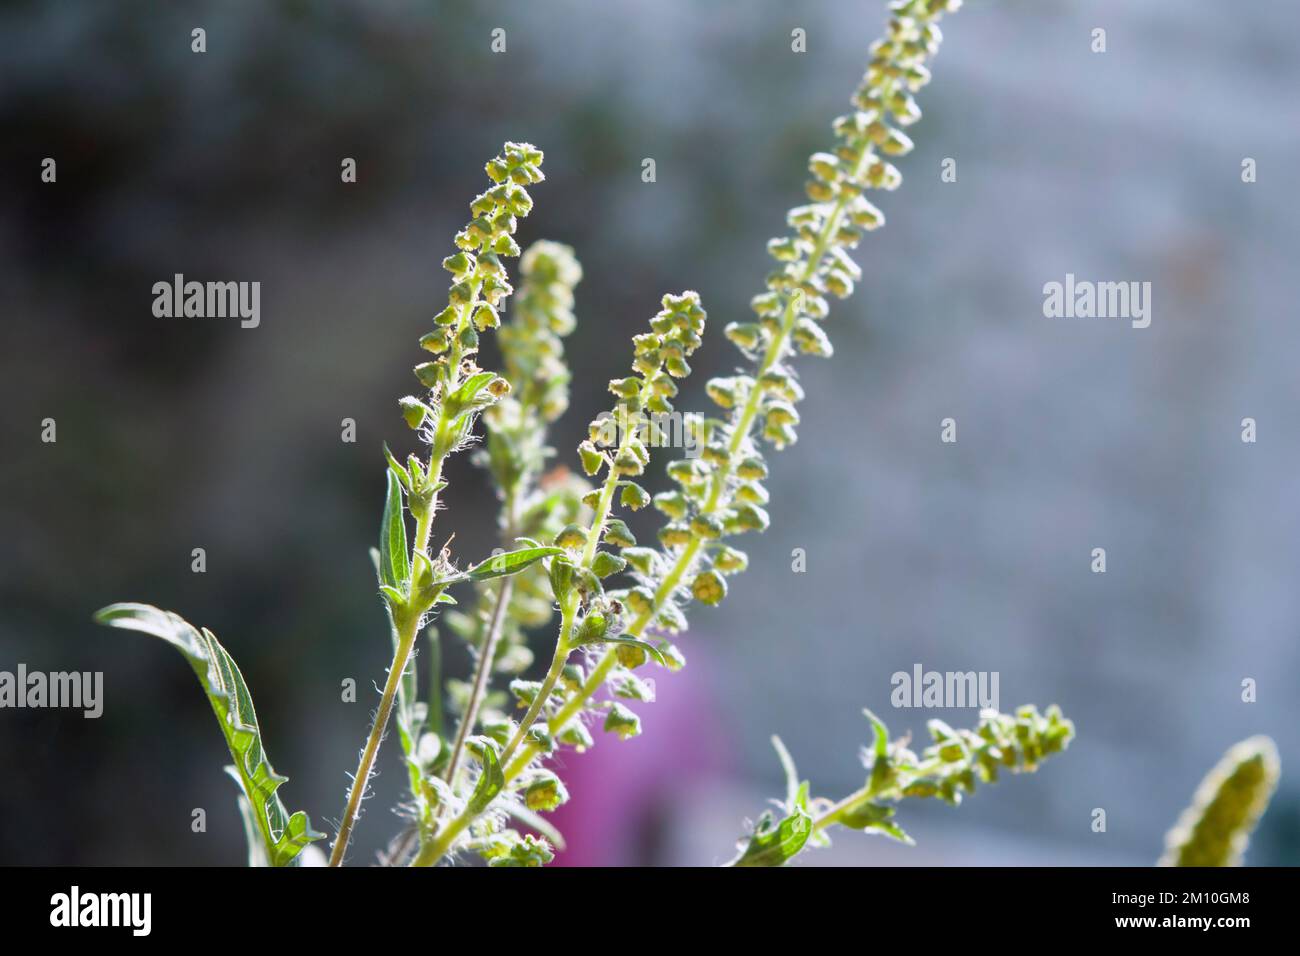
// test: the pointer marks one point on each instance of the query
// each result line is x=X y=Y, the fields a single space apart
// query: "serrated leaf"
x=490 y=781
x=773 y=844
x=283 y=835
x=511 y=562
x=394 y=562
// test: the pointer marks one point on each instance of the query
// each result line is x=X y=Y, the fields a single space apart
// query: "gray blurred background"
x=1072 y=434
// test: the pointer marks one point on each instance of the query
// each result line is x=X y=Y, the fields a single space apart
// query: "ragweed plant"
x=568 y=560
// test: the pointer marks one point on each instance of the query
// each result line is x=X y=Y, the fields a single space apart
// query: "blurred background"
x=1072 y=434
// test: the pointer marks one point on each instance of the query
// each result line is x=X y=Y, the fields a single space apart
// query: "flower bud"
x=675 y=535
x=575 y=734
x=706 y=526
x=571 y=536
x=728 y=560
x=605 y=564
x=414 y=411
x=428 y=373
x=811 y=340
x=630 y=656
x=545 y=792
x=672 y=504
x=746 y=335
x=625 y=387
x=748 y=517
x=639 y=600
x=486 y=317
x=622 y=721
x=592 y=459
x=618 y=535
x=722 y=391
x=436 y=341
x=633 y=496
x=709 y=587
x=674 y=660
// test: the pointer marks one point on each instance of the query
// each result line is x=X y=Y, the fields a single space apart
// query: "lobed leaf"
x=283 y=836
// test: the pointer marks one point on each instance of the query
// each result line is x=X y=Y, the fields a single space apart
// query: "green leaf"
x=394 y=562
x=252 y=835
x=467 y=395
x=511 y=562
x=283 y=836
x=397 y=468
x=490 y=781
x=791 y=775
x=772 y=844
x=882 y=734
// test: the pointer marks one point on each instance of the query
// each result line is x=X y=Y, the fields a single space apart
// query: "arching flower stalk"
x=953 y=765
x=720 y=494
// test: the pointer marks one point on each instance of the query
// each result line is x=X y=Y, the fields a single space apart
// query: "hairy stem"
x=407 y=631
x=562 y=650
x=406 y=640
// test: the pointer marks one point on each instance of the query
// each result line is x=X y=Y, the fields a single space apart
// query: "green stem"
x=406 y=639
x=739 y=434
x=562 y=650
x=482 y=674
x=435 y=849
x=407 y=630
x=827 y=817
x=487 y=652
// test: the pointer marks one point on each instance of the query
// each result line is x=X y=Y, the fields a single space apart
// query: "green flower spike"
x=1215 y=829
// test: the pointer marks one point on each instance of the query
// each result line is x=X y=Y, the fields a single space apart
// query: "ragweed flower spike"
x=616 y=452
x=721 y=494
x=1215 y=829
x=455 y=392
x=532 y=351
x=951 y=766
